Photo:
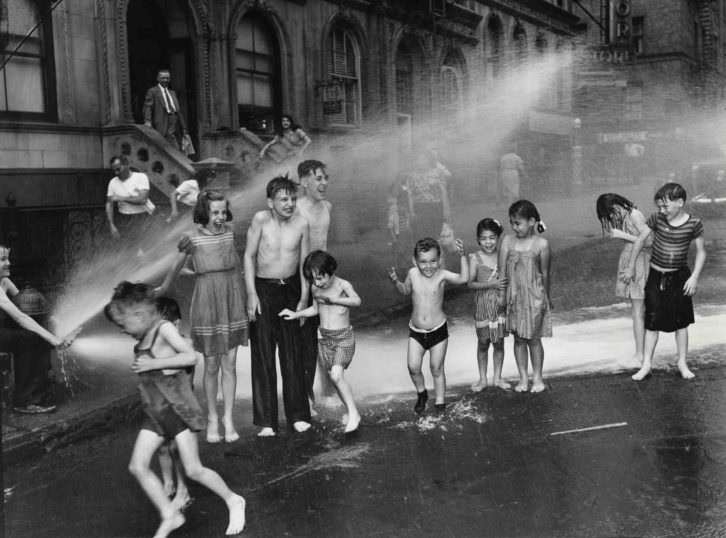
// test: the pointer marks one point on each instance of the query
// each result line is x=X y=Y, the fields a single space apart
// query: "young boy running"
x=277 y=243
x=670 y=284
x=332 y=299
x=427 y=329
x=171 y=409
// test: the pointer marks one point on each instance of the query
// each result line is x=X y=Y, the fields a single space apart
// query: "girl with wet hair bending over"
x=525 y=255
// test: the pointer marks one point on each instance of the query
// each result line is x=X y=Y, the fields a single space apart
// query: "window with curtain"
x=257 y=66
x=344 y=79
x=26 y=81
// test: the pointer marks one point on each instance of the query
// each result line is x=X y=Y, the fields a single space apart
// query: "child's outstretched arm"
x=689 y=288
x=638 y=221
x=179 y=260
x=404 y=288
x=183 y=358
x=348 y=298
x=462 y=277
x=309 y=312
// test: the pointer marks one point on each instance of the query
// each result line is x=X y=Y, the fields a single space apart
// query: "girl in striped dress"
x=489 y=302
x=218 y=310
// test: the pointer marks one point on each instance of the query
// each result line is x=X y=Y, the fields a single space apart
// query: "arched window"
x=27 y=80
x=343 y=94
x=520 y=44
x=452 y=88
x=495 y=33
x=257 y=64
x=404 y=80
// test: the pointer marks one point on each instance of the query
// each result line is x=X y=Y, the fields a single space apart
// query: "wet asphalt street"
x=494 y=464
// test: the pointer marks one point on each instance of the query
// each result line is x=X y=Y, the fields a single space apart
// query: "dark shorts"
x=168 y=424
x=667 y=308
x=429 y=339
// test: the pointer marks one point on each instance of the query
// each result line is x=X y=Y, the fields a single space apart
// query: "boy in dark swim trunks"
x=427 y=329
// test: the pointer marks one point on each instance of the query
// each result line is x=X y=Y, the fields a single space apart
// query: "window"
x=257 y=68
x=634 y=102
x=494 y=29
x=520 y=45
x=27 y=80
x=342 y=105
x=404 y=81
x=638 y=29
x=452 y=96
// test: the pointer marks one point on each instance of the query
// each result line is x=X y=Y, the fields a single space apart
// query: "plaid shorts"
x=336 y=346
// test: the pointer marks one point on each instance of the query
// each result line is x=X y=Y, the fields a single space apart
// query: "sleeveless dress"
x=167 y=400
x=635 y=288
x=489 y=304
x=218 y=309
x=528 y=311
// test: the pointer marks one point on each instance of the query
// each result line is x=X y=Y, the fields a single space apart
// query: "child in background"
x=622 y=220
x=670 y=284
x=218 y=312
x=172 y=411
x=526 y=259
x=332 y=299
x=185 y=192
x=427 y=329
x=398 y=222
x=489 y=302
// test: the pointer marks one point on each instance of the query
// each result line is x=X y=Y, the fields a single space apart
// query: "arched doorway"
x=159 y=37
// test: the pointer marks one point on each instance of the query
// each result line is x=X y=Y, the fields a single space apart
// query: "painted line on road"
x=592 y=428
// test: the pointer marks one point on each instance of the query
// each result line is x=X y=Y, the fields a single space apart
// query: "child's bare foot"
x=522 y=386
x=170 y=524
x=501 y=384
x=685 y=372
x=230 y=434
x=479 y=386
x=266 y=432
x=181 y=500
x=642 y=373
x=236 y=507
x=213 y=431
x=353 y=422
x=301 y=426
x=537 y=386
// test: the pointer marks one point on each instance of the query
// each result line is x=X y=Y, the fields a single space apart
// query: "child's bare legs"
x=682 y=345
x=482 y=354
x=536 y=355
x=497 y=362
x=211 y=376
x=166 y=464
x=638 y=314
x=346 y=395
x=147 y=443
x=229 y=386
x=182 y=498
x=521 y=352
x=189 y=454
x=650 y=340
x=437 y=354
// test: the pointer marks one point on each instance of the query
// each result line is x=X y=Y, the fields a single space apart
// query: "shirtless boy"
x=332 y=299
x=314 y=206
x=277 y=243
x=427 y=329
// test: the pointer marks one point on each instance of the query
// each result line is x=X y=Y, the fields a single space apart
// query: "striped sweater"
x=671 y=243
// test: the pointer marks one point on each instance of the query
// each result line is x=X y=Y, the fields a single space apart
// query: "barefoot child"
x=277 y=243
x=670 y=284
x=332 y=299
x=172 y=411
x=427 y=329
x=622 y=220
x=489 y=302
x=526 y=259
x=218 y=316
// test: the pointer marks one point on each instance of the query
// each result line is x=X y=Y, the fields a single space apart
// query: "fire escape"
x=708 y=75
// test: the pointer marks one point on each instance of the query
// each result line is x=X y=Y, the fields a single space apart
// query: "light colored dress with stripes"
x=218 y=311
x=489 y=304
x=528 y=307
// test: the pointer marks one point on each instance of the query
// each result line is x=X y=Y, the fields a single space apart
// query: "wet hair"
x=293 y=125
x=201 y=209
x=426 y=244
x=527 y=210
x=604 y=207
x=308 y=167
x=671 y=191
x=168 y=308
x=281 y=183
x=320 y=262
x=491 y=225
x=130 y=293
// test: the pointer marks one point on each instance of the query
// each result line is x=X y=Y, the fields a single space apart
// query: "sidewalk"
x=107 y=396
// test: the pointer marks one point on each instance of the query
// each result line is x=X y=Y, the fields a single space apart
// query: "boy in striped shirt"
x=670 y=284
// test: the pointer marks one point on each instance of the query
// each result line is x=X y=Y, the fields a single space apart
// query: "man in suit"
x=162 y=110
